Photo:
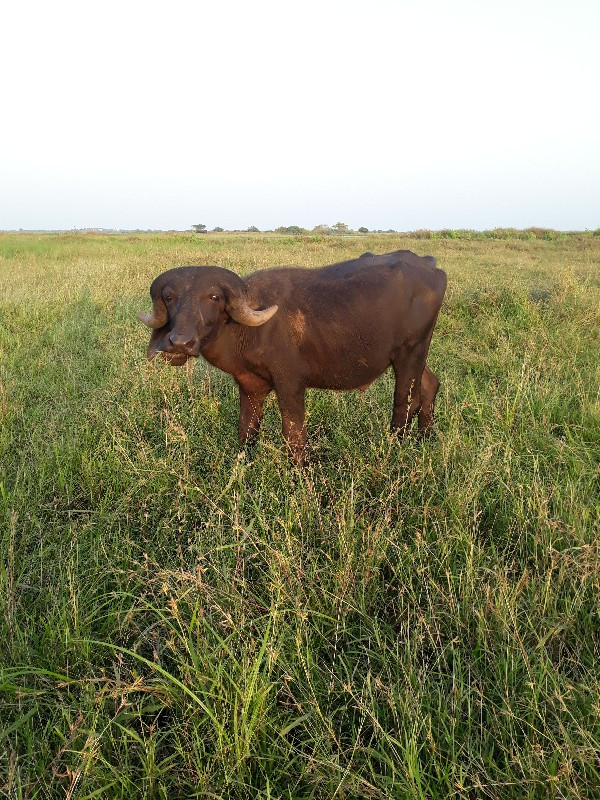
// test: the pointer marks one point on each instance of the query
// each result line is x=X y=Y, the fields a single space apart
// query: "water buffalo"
x=288 y=329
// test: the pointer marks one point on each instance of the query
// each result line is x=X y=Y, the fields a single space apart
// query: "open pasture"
x=401 y=620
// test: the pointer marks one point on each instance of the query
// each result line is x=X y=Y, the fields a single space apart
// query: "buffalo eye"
x=167 y=295
x=215 y=298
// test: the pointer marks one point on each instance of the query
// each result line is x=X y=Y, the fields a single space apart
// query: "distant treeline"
x=499 y=233
x=340 y=229
x=549 y=234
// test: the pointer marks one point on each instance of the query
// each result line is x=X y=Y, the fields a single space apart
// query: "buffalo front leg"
x=429 y=388
x=291 y=406
x=408 y=369
x=252 y=401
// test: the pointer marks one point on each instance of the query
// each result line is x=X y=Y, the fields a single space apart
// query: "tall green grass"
x=400 y=620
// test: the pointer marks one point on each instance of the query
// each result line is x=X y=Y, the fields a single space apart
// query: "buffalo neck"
x=224 y=350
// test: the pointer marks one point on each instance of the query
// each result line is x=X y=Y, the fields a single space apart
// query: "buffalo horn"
x=159 y=315
x=240 y=311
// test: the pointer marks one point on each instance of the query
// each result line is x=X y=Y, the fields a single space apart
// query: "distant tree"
x=253 y=229
x=363 y=230
x=340 y=227
x=322 y=230
x=199 y=228
x=217 y=230
x=293 y=230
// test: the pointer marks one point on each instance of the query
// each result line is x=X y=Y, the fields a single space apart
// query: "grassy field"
x=401 y=620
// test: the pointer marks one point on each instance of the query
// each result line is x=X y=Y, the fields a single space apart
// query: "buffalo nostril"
x=182 y=340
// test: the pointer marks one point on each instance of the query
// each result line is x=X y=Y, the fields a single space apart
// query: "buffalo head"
x=189 y=307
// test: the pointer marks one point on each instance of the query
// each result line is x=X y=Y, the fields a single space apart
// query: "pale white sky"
x=405 y=115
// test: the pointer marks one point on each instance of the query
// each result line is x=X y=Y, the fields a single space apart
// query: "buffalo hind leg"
x=429 y=388
x=252 y=399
